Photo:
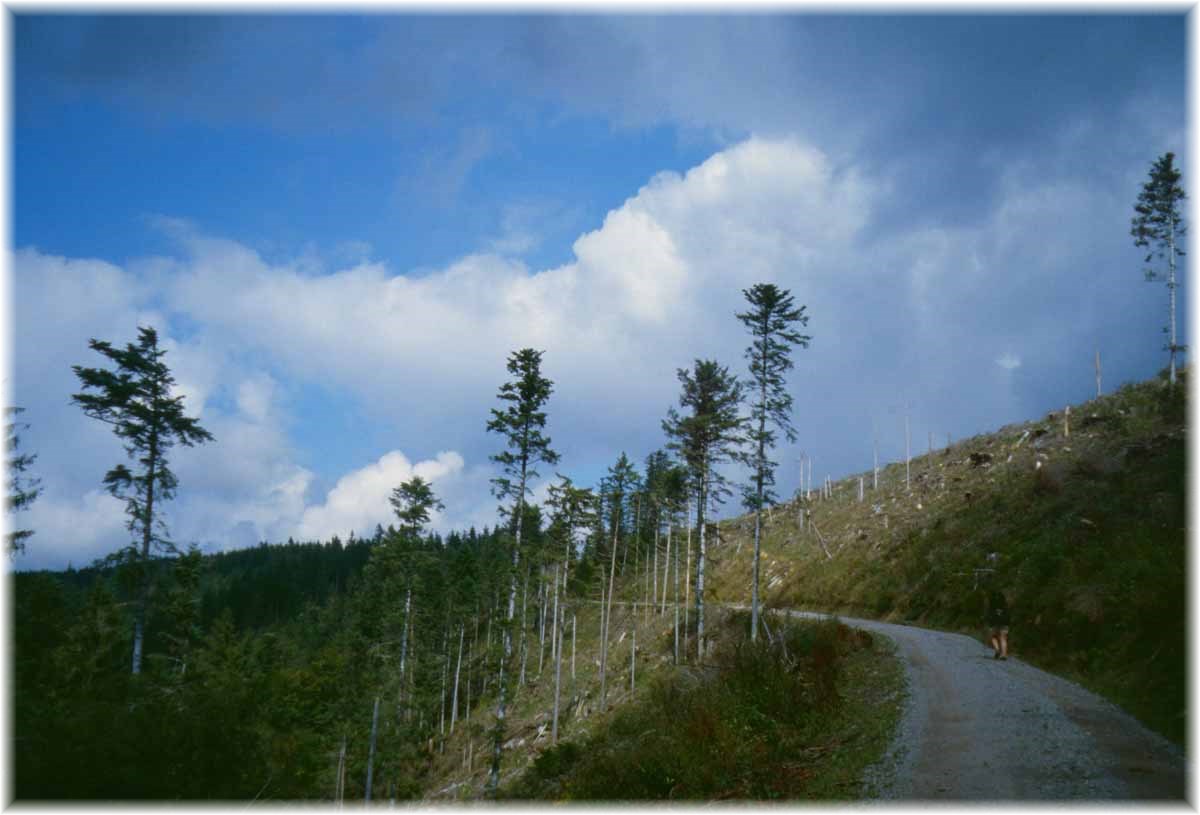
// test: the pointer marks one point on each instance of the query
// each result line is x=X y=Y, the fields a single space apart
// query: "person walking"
x=998 y=621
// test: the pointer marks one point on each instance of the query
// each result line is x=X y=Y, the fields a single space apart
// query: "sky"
x=341 y=226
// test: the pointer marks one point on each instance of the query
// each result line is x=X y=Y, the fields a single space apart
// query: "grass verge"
x=796 y=718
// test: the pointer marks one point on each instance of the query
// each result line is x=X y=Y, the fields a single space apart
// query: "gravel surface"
x=975 y=728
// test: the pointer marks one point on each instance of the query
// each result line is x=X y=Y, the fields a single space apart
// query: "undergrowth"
x=794 y=718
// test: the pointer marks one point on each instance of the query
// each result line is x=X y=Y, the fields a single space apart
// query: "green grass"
x=1090 y=547
x=796 y=719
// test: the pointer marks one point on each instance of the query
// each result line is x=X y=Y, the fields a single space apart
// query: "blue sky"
x=341 y=226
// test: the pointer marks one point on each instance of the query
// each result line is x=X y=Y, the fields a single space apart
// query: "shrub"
x=755 y=705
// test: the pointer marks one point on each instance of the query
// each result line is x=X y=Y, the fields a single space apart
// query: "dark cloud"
x=933 y=103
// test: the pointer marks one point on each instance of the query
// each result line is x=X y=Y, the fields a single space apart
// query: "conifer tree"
x=412 y=502
x=770 y=321
x=572 y=509
x=22 y=490
x=1158 y=227
x=708 y=436
x=136 y=400
x=401 y=557
x=521 y=423
x=621 y=482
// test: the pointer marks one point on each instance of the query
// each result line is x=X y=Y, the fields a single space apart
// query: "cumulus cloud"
x=760 y=210
x=655 y=285
x=76 y=529
x=359 y=501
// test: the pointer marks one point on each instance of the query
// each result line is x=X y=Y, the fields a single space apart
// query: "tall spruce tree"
x=1158 y=227
x=401 y=559
x=618 y=486
x=708 y=436
x=412 y=502
x=770 y=320
x=521 y=422
x=136 y=400
x=22 y=490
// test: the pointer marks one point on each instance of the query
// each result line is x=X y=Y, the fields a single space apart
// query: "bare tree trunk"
x=143 y=594
x=404 y=642
x=687 y=584
x=702 y=498
x=676 y=604
x=339 y=779
x=371 y=753
x=572 y=647
x=569 y=548
x=445 y=682
x=487 y=649
x=554 y=623
x=654 y=596
x=493 y=781
x=607 y=613
x=646 y=591
x=1171 y=295
x=498 y=732
x=624 y=555
x=462 y=631
x=666 y=570
x=556 y=634
x=470 y=662
x=633 y=657
x=757 y=557
x=542 y=627
x=524 y=626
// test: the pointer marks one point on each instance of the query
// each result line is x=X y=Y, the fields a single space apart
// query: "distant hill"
x=1082 y=525
x=260 y=586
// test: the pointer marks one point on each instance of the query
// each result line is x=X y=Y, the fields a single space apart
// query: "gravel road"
x=980 y=729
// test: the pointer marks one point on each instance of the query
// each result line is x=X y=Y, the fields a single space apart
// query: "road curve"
x=978 y=729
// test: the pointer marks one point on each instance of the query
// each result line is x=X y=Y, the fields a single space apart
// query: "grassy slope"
x=1086 y=534
x=798 y=719
x=816 y=752
x=1090 y=547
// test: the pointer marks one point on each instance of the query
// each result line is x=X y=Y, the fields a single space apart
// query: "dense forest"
x=260 y=661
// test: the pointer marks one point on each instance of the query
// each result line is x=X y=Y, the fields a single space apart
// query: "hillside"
x=267 y=662
x=1083 y=525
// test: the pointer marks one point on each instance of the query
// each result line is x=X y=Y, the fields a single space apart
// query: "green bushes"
x=756 y=722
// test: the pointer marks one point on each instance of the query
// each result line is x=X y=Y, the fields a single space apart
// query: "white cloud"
x=761 y=210
x=254 y=397
x=1008 y=361
x=359 y=501
x=653 y=287
x=73 y=529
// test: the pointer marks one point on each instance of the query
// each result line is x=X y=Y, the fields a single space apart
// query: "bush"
x=754 y=706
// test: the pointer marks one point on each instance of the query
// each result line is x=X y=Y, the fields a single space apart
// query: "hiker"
x=998 y=620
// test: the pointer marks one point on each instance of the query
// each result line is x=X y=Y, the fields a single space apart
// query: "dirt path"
x=985 y=730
